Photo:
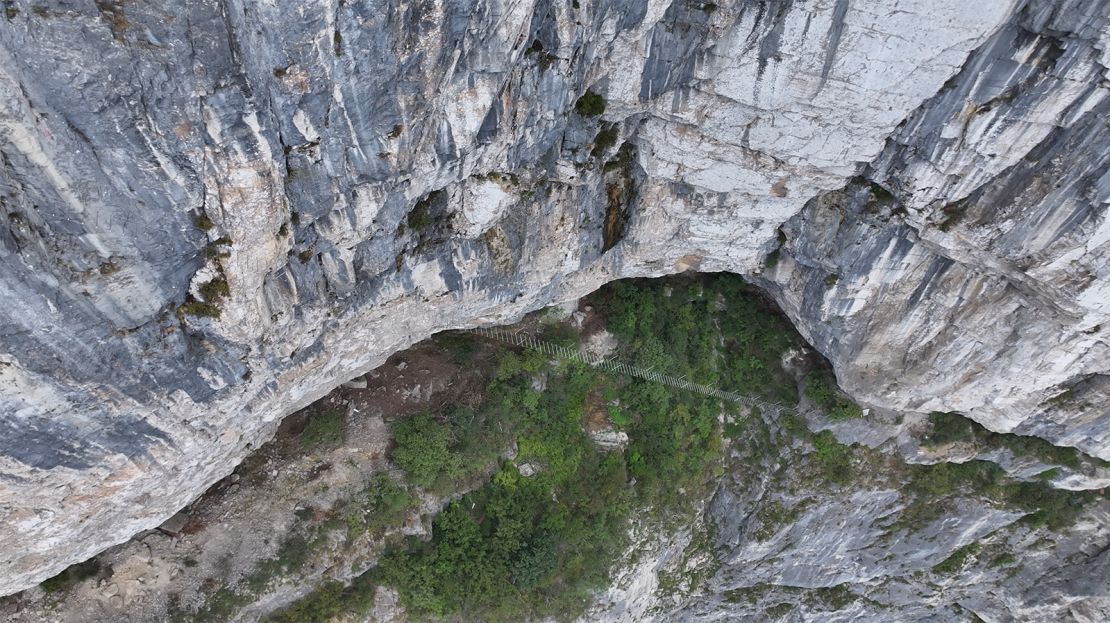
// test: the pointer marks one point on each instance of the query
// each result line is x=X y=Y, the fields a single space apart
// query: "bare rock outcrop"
x=212 y=213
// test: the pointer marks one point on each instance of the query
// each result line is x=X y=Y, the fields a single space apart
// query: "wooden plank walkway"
x=522 y=339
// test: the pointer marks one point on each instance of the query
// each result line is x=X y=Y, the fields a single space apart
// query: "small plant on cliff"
x=213 y=292
x=71 y=576
x=604 y=141
x=590 y=104
x=956 y=561
x=325 y=429
x=203 y=222
x=193 y=307
x=420 y=217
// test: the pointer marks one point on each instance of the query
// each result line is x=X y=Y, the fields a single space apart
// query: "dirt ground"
x=210 y=548
x=219 y=539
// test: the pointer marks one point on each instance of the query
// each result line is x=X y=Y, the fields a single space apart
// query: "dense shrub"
x=533 y=547
x=946 y=428
x=821 y=389
x=590 y=104
x=423 y=449
x=517 y=547
x=383 y=503
x=713 y=330
x=833 y=459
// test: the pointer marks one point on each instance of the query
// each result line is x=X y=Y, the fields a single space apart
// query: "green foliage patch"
x=832 y=458
x=713 y=329
x=1003 y=560
x=420 y=218
x=516 y=547
x=215 y=290
x=933 y=487
x=775 y=516
x=947 y=428
x=831 y=597
x=323 y=430
x=536 y=547
x=590 y=104
x=820 y=387
x=71 y=576
x=778 y=611
x=328 y=602
x=444 y=452
x=604 y=141
x=199 y=308
x=532 y=547
x=423 y=449
x=956 y=560
x=383 y=503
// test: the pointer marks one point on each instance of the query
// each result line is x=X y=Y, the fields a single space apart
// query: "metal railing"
x=522 y=339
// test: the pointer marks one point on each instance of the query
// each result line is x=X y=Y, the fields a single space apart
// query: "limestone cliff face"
x=842 y=556
x=362 y=174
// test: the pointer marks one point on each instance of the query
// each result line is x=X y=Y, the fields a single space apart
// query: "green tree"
x=423 y=449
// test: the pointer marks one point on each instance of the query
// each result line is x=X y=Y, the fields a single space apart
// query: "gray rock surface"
x=777 y=543
x=843 y=546
x=375 y=172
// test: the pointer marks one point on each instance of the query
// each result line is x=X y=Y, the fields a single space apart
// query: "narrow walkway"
x=520 y=338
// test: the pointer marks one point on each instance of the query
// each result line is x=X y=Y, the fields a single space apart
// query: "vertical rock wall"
x=340 y=179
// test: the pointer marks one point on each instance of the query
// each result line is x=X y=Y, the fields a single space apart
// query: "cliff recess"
x=213 y=213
